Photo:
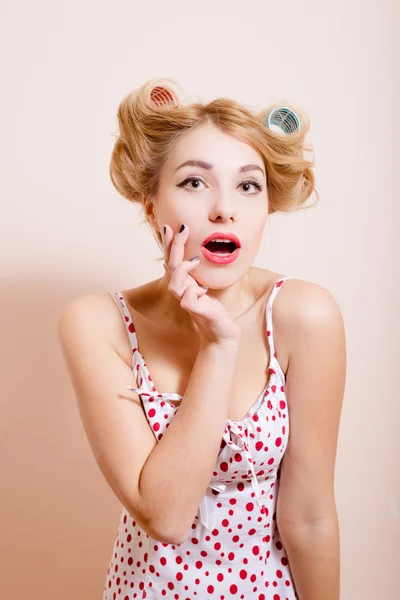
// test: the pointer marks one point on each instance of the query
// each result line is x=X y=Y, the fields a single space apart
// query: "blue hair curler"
x=285 y=118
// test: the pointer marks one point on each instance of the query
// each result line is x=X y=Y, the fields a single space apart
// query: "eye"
x=184 y=183
x=250 y=182
x=188 y=180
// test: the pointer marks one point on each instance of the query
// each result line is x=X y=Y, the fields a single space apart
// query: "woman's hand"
x=209 y=315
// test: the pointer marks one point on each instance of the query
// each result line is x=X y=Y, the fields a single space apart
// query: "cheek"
x=257 y=219
x=259 y=231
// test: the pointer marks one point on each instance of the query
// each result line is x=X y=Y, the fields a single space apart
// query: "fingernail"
x=194 y=258
x=205 y=287
x=182 y=228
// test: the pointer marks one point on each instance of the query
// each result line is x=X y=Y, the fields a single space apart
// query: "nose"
x=223 y=206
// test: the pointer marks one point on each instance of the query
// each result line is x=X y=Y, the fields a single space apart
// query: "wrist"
x=223 y=346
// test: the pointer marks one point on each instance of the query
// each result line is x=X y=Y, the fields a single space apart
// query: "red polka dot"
x=240 y=543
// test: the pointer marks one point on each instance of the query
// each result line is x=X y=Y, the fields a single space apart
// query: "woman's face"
x=214 y=198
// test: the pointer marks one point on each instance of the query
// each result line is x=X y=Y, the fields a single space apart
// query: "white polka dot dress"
x=234 y=550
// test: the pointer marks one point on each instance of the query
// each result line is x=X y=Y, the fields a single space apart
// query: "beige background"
x=65 y=232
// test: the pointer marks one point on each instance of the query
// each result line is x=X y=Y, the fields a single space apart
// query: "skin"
x=222 y=201
x=309 y=342
x=219 y=200
x=308 y=331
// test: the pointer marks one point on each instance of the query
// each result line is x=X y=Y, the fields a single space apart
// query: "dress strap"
x=129 y=326
x=270 y=326
x=146 y=387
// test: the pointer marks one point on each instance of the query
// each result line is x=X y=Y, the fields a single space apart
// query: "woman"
x=218 y=500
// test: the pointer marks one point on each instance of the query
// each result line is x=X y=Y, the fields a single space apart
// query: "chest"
x=170 y=357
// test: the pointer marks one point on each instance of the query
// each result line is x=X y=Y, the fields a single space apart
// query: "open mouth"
x=222 y=248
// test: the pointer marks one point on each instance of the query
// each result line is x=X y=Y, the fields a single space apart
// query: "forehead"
x=208 y=143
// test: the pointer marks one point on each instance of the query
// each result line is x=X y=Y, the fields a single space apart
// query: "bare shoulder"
x=302 y=299
x=93 y=306
x=99 y=312
x=302 y=305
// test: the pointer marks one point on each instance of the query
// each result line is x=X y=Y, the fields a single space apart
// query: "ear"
x=150 y=211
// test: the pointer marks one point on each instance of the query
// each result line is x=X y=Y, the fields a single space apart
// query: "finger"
x=181 y=279
x=190 y=295
x=167 y=241
x=202 y=291
x=177 y=249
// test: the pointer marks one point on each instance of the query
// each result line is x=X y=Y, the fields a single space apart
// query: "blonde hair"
x=148 y=132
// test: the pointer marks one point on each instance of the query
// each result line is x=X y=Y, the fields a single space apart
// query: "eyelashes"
x=184 y=183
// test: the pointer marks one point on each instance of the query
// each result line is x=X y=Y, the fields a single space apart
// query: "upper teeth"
x=226 y=241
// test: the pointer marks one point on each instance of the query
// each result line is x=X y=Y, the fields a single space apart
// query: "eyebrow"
x=205 y=165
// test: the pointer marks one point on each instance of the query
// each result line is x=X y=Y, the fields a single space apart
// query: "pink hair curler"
x=162 y=96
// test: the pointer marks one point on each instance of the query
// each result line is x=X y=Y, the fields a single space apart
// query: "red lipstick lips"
x=224 y=255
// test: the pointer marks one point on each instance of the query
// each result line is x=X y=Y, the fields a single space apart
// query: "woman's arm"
x=314 y=556
x=315 y=382
x=176 y=474
x=160 y=483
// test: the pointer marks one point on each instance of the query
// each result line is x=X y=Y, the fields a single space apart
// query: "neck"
x=237 y=299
